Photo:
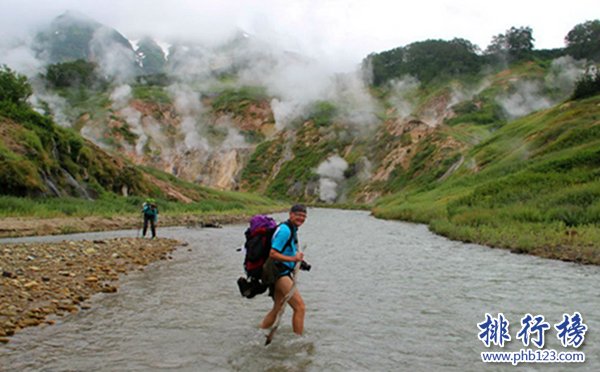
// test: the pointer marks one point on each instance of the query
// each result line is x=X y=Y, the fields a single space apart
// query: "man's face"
x=297 y=218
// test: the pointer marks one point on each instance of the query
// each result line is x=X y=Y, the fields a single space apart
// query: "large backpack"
x=258 y=247
x=258 y=244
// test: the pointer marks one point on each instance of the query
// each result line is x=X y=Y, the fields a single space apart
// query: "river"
x=381 y=296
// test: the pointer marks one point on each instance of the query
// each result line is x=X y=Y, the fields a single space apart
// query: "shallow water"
x=382 y=295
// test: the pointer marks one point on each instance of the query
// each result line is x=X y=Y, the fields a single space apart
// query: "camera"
x=305 y=266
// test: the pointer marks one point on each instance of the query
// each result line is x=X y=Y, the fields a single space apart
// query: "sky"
x=340 y=33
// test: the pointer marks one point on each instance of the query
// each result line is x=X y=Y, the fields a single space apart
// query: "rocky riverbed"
x=43 y=279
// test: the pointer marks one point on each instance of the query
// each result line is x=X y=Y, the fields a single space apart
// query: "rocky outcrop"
x=208 y=147
x=408 y=133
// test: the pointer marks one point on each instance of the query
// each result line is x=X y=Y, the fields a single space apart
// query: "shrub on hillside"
x=14 y=87
x=235 y=100
x=426 y=60
x=515 y=44
x=72 y=74
x=583 y=40
x=478 y=111
x=587 y=86
x=322 y=113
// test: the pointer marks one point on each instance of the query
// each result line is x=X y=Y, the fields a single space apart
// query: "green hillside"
x=47 y=170
x=532 y=186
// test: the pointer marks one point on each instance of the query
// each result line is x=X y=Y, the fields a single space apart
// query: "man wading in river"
x=284 y=258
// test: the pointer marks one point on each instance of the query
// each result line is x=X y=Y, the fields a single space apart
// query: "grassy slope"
x=533 y=186
x=216 y=203
x=34 y=151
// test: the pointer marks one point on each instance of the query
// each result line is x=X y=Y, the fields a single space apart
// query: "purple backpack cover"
x=260 y=220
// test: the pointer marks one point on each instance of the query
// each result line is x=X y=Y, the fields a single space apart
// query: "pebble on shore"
x=40 y=279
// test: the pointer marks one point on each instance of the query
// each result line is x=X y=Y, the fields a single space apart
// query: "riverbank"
x=29 y=226
x=40 y=280
x=554 y=241
x=531 y=185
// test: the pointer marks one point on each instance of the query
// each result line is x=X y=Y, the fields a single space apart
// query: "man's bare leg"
x=297 y=304
x=282 y=288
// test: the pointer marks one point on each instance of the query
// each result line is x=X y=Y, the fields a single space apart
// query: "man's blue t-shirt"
x=280 y=237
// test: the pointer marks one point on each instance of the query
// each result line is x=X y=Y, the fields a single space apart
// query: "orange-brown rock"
x=61 y=281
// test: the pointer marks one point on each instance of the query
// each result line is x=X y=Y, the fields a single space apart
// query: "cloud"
x=293 y=79
x=115 y=60
x=134 y=118
x=532 y=95
x=462 y=93
x=234 y=140
x=186 y=100
x=527 y=98
x=332 y=174
x=52 y=104
x=340 y=33
x=298 y=82
x=295 y=49
x=285 y=112
x=401 y=90
x=189 y=62
x=327 y=190
x=563 y=74
x=188 y=105
x=120 y=96
x=358 y=107
x=193 y=140
x=19 y=57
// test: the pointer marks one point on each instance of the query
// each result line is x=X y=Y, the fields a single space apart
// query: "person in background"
x=150 y=213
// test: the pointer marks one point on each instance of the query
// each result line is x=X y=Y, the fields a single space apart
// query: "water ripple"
x=382 y=295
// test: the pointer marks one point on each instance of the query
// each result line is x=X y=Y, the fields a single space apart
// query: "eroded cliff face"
x=67 y=165
x=409 y=132
x=222 y=169
x=436 y=110
x=410 y=145
x=214 y=147
x=211 y=148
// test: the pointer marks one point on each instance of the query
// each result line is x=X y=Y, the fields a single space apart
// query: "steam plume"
x=332 y=174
